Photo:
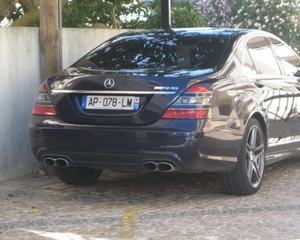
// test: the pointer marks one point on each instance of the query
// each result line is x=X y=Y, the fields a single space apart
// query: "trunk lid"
x=90 y=96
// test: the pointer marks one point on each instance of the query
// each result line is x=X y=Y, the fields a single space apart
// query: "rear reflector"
x=44 y=110
x=184 y=114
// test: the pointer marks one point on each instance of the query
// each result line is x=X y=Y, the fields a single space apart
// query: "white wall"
x=19 y=81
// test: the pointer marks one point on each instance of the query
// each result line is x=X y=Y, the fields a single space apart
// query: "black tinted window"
x=159 y=52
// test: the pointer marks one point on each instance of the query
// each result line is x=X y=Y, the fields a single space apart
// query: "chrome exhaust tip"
x=48 y=161
x=149 y=166
x=165 y=167
x=158 y=166
x=55 y=162
x=61 y=162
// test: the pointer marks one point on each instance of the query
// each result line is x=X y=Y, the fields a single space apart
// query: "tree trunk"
x=114 y=20
x=49 y=37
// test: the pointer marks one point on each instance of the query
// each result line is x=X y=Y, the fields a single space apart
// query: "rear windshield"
x=138 y=52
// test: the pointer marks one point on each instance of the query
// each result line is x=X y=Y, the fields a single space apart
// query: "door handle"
x=258 y=84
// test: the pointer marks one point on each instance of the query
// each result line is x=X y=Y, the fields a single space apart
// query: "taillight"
x=43 y=104
x=192 y=104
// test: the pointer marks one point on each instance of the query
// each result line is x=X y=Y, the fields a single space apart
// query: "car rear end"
x=122 y=108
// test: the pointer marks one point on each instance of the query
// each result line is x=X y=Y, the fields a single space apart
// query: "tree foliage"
x=217 y=12
x=104 y=13
x=76 y=13
x=97 y=12
x=184 y=14
x=21 y=12
x=280 y=17
x=7 y=8
x=87 y=13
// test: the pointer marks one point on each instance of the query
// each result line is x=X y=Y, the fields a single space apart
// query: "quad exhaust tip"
x=158 y=166
x=149 y=165
x=56 y=162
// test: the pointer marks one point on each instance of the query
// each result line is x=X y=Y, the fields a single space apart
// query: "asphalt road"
x=152 y=206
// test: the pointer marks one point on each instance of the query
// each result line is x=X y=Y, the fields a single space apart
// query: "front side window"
x=262 y=56
x=159 y=52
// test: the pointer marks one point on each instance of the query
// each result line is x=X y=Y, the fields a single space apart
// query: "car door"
x=277 y=93
x=291 y=65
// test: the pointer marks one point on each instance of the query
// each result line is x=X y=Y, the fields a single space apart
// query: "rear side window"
x=289 y=59
x=262 y=56
x=159 y=51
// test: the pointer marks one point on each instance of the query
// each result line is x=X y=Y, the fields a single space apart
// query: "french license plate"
x=110 y=102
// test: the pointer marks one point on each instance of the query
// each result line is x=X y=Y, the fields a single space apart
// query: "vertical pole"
x=166 y=14
x=49 y=37
x=60 y=33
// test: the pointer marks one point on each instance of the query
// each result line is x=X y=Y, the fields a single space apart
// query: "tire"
x=78 y=175
x=247 y=176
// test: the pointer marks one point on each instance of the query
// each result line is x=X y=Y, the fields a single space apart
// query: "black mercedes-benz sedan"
x=188 y=100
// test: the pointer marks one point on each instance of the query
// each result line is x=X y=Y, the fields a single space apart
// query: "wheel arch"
x=260 y=118
x=254 y=107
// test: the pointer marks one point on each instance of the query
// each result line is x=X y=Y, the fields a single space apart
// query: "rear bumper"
x=181 y=144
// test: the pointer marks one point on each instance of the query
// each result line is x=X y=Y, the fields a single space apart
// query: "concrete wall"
x=19 y=81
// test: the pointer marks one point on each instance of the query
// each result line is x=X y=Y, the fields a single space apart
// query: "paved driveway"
x=151 y=206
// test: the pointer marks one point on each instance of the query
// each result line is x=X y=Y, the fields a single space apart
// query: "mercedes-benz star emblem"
x=109 y=83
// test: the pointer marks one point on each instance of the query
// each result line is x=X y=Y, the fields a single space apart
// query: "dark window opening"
x=157 y=52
